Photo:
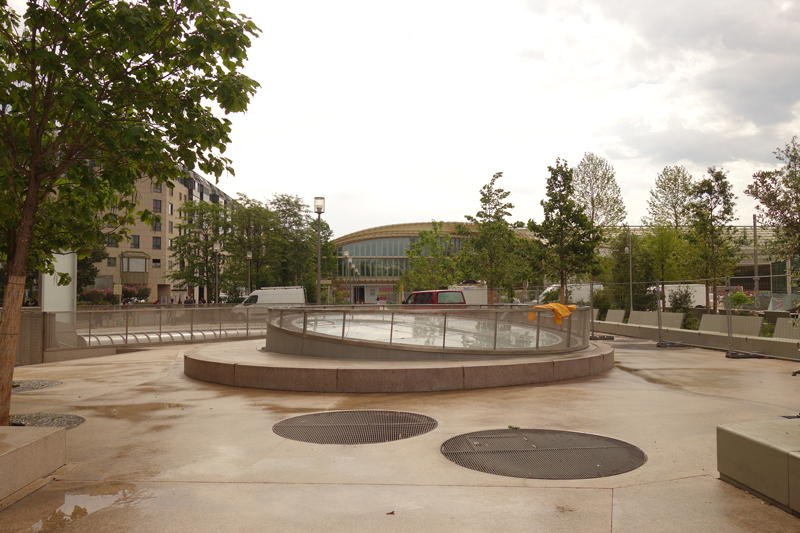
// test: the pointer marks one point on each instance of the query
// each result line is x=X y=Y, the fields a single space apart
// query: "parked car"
x=440 y=298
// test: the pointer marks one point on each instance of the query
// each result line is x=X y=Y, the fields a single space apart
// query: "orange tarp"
x=560 y=311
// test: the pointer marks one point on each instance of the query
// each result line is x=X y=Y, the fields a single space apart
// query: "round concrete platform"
x=241 y=364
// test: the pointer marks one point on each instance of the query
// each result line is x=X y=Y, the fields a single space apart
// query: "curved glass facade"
x=381 y=258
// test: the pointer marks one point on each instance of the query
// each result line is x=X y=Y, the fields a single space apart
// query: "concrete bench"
x=650 y=318
x=784 y=329
x=28 y=454
x=771 y=316
x=749 y=326
x=764 y=458
x=615 y=315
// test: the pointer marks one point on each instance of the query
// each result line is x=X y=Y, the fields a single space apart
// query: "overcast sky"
x=401 y=111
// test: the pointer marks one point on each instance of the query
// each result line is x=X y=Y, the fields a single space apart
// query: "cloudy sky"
x=401 y=111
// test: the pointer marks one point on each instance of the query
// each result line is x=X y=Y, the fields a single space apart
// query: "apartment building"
x=147 y=256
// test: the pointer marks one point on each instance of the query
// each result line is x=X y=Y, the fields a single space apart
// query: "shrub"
x=767 y=330
x=680 y=300
x=691 y=322
x=94 y=296
x=136 y=291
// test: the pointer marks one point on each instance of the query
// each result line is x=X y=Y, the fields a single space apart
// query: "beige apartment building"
x=147 y=256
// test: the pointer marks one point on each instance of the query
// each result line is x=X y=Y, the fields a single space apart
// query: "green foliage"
x=667 y=249
x=715 y=244
x=491 y=249
x=87 y=271
x=603 y=301
x=137 y=291
x=638 y=260
x=681 y=300
x=94 y=296
x=432 y=264
x=566 y=235
x=778 y=195
x=767 y=330
x=669 y=200
x=740 y=299
x=691 y=322
x=597 y=191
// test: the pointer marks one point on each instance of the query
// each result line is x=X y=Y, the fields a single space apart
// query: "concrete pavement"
x=162 y=452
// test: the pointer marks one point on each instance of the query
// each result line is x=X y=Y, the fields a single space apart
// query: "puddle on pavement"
x=76 y=505
x=283 y=409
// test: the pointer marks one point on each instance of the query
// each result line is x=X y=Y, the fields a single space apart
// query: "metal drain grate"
x=543 y=454
x=354 y=427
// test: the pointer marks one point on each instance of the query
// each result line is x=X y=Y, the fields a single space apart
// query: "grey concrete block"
x=28 y=454
x=203 y=369
x=481 y=377
x=400 y=379
x=301 y=379
x=615 y=315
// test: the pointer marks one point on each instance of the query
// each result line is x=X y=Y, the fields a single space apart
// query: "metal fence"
x=507 y=328
x=115 y=326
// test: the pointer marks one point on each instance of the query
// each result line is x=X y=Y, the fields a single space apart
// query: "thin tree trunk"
x=9 y=339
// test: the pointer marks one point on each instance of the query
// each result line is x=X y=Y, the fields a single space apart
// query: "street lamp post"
x=629 y=251
x=249 y=263
x=345 y=271
x=217 y=248
x=319 y=208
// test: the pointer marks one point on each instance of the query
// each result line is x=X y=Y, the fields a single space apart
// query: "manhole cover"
x=24 y=385
x=354 y=427
x=543 y=454
x=50 y=420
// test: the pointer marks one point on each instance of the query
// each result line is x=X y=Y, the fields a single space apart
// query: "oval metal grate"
x=354 y=427
x=543 y=454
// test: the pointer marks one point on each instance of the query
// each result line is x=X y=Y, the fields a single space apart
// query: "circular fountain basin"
x=402 y=350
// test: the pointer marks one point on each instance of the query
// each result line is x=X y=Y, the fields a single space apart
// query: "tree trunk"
x=9 y=339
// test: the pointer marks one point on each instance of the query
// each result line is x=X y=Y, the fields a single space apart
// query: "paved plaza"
x=162 y=452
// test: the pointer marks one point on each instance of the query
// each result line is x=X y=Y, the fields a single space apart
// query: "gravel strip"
x=33 y=384
x=47 y=420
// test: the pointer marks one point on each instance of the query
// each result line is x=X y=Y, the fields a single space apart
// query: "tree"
x=596 y=189
x=489 y=250
x=667 y=250
x=668 y=204
x=631 y=272
x=87 y=271
x=96 y=94
x=714 y=243
x=567 y=236
x=778 y=195
x=202 y=224
x=432 y=264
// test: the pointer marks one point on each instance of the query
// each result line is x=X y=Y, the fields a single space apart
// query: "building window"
x=156 y=188
x=156 y=226
x=170 y=244
x=156 y=206
x=111 y=261
x=156 y=243
x=111 y=242
x=156 y=263
x=169 y=208
x=180 y=196
x=169 y=265
x=170 y=226
x=171 y=191
x=134 y=241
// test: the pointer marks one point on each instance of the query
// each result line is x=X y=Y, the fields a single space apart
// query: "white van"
x=262 y=299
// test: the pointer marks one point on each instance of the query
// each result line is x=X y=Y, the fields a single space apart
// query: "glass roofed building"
x=371 y=261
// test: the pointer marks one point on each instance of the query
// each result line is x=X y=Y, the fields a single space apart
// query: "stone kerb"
x=615 y=315
x=650 y=318
x=748 y=326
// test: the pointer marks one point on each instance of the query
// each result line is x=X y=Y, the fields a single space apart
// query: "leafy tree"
x=631 y=271
x=201 y=225
x=668 y=204
x=667 y=250
x=596 y=189
x=431 y=262
x=489 y=250
x=125 y=85
x=567 y=236
x=87 y=270
x=715 y=244
x=778 y=194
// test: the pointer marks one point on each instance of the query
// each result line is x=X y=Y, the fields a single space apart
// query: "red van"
x=436 y=298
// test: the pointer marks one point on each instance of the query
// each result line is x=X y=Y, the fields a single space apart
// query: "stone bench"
x=615 y=315
x=650 y=318
x=28 y=454
x=748 y=326
x=763 y=458
x=784 y=329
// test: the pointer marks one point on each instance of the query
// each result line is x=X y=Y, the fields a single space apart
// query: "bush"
x=767 y=330
x=603 y=301
x=691 y=322
x=93 y=296
x=680 y=300
x=136 y=291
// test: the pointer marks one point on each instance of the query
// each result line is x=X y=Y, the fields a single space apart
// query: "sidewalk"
x=162 y=452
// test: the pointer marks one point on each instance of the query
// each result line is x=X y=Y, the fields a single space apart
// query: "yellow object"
x=560 y=311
